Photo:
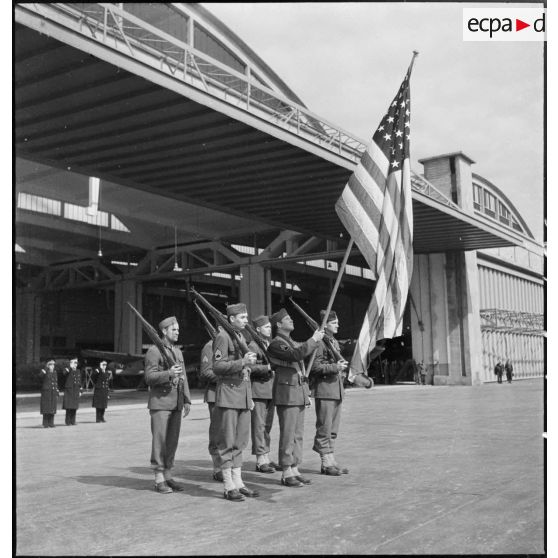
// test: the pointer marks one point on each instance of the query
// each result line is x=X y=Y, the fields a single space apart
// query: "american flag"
x=376 y=209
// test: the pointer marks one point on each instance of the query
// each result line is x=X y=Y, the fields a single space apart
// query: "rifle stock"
x=312 y=324
x=221 y=320
x=259 y=341
x=155 y=339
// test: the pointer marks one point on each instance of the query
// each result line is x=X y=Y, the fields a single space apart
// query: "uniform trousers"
x=291 y=432
x=70 y=416
x=233 y=433
x=212 y=446
x=165 y=430
x=99 y=414
x=328 y=417
x=48 y=419
x=262 y=421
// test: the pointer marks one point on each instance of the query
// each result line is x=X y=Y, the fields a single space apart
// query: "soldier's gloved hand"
x=175 y=371
x=341 y=365
x=249 y=358
x=318 y=335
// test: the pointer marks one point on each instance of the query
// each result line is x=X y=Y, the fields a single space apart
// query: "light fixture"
x=176 y=268
x=100 y=252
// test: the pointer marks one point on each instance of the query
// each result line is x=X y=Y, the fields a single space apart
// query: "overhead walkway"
x=103 y=93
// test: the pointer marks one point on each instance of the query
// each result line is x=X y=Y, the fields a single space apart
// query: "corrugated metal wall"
x=505 y=291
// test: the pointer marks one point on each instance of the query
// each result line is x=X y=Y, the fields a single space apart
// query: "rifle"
x=259 y=342
x=360 y=380
x=168 y=359
x=221 y=320
x=313 y=325
x=208 y=325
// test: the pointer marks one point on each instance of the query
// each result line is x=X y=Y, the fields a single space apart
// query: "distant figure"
x=509 y=370
x=499 y=371
x=72 y=391
x=49 y=393
x=101 y=377
x=422 y=373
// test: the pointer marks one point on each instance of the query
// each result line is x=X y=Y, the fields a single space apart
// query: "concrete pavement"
x=433 y=470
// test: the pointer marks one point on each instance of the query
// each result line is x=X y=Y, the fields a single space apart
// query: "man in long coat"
x=49 y=393
x=101 y=395
x=72 y=391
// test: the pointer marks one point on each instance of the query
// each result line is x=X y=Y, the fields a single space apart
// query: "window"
x=504 y=214
x=516 y=225
x=489 y=204
x=477 y=196
x=38 y=203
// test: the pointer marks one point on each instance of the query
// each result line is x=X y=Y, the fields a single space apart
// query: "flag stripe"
x=376 y=208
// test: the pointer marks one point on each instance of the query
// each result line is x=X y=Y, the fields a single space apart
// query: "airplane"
x=129 y=367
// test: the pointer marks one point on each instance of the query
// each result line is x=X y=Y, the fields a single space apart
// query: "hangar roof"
x=84 y=108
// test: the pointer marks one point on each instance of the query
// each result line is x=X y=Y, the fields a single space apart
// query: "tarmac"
x=433 y=470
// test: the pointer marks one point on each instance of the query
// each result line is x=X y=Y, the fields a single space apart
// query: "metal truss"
x=512 y=321
x=79 y=274
x=288 y=250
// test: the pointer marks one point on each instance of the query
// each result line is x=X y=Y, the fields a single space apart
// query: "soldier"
x=169 y=397
x=262 y=413
x=72 y=391
x=233 y=401
x=49 y=393
x=290 y=394
x=326 y=383
x=206 y=372
x=101 y=376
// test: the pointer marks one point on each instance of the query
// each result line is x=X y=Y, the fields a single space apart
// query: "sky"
x=346 y=62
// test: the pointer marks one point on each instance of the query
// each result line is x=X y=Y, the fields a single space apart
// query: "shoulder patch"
x=218 y=355
x=205 y=359
x=285 y=347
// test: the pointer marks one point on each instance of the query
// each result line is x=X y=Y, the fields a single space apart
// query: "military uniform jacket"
x=261 y=376
x=233 y=390
x=289 y=386
x=101 y=391
x=206 y=372
x=325 y=381
x=49 y=392
x=72 y=389
x=163 y=394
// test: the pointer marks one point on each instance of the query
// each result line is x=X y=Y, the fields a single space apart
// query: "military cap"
x=163 y=324
x=332 y=315
x=260 y=321
x=238 y=308
x=278 y=316
x=50 y=360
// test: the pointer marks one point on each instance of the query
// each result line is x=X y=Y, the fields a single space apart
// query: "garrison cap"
x=278 y=316
x=260 y=321
x=238 y=308
x=163 y=324
x=332 y=315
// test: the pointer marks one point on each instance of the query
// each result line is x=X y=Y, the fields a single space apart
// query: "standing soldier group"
x=72 y=391
x=249 y=376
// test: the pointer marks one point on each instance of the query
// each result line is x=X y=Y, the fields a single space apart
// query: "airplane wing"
x=123 y=358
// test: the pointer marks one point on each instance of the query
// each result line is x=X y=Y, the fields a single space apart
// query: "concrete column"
x=28 y=327
x=255 y=290
x=127 y=329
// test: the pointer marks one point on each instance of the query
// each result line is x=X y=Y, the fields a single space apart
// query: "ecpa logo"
x=504 y=24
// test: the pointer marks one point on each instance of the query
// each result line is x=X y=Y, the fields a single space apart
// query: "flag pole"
x=332 y=298
x=415 y=54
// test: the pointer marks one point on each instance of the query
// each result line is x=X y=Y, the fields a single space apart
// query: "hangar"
x=155 y=150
